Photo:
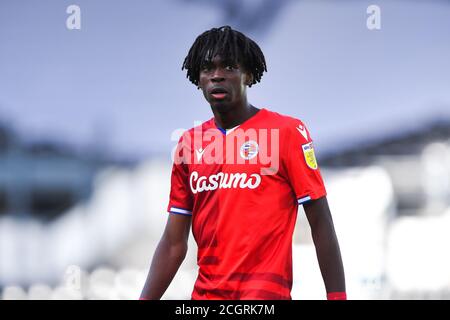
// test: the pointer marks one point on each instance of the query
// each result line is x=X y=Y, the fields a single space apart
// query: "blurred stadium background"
x=87 y=116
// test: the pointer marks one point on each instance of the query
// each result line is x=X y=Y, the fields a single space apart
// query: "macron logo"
x=302 y=130
x=200 y=153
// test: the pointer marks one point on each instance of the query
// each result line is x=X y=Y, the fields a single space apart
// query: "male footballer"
x=239 y=178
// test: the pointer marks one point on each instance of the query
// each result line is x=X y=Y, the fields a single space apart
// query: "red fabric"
x=244 y=227
x=336 y=296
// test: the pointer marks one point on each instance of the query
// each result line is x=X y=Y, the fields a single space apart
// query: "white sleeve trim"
x=180 y=211
x=303 y=200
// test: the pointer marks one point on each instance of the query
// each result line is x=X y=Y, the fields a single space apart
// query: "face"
x=223 y=83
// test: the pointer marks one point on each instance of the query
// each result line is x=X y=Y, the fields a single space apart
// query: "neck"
x=230 y=117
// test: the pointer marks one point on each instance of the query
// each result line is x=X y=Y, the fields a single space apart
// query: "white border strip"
x=304 y=199
x=181 y=211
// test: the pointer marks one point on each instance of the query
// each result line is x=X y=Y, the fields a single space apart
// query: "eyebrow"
x=222 y=62
x=230 y=62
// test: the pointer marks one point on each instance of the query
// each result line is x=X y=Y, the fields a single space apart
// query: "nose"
x=217 y=76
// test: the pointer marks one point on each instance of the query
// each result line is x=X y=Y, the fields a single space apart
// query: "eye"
x=230 y=67
x=205 y=67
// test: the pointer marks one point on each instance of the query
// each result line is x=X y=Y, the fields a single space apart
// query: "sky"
x=116 y=84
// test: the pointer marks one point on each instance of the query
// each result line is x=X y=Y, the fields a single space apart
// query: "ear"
x=249 y=79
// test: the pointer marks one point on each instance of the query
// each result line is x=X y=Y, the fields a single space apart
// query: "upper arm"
x=181 y=197
x=177 y=229
x=299 y=163
x=180 y=205
x=318 y=213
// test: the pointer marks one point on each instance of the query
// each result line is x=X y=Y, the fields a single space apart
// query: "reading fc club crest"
x=310 y=158
x=249 y=150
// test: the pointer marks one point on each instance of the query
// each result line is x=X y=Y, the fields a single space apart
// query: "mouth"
x=218 y=93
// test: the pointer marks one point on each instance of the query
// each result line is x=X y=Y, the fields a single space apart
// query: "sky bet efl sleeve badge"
x=310 y=158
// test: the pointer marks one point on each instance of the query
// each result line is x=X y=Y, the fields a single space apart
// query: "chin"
x=221 y=105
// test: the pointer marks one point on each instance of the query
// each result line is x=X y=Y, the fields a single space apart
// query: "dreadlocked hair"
x=228 y=43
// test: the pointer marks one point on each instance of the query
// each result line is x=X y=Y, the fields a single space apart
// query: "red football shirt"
x=242 y=188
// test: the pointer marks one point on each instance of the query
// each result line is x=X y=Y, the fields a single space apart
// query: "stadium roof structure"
x=406 y=142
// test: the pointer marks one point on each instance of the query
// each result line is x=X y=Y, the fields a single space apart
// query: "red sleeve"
x=300 y=163
x=180 y=201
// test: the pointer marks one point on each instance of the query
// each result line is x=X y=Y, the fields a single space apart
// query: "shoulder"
x=281 y=120
x=189 y=133
x=288 y=125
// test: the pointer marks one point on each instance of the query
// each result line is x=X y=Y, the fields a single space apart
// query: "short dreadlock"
x=229 y=43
